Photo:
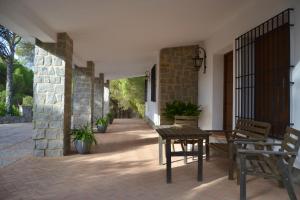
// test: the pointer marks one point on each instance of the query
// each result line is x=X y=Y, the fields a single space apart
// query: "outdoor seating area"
x=150 y=100
x=125 y=166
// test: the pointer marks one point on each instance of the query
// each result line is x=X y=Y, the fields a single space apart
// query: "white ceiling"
x=122 y=37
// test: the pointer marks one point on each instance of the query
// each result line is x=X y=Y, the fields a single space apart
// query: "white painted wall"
x=152 y=108
x=211 y=83
x=106 y=101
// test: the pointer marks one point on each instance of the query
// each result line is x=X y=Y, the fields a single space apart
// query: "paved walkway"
x=15 y=142
x=124 y=166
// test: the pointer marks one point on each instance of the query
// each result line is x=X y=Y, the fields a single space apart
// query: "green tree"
x=25 y=52
x=8 y=43
x=129 y=93
x=22 y=81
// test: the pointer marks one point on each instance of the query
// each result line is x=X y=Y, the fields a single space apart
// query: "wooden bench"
x=245 y=130
x=269 y=163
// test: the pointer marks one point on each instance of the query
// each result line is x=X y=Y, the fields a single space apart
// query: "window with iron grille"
x=262 y=76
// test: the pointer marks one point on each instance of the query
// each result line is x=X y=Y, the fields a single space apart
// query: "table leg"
x=200 y=159
x=185 y=151
x=160 y=150
x=207 y=148
x=168 y=156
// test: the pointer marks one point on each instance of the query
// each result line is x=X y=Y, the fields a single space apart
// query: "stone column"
x=98 y=96
x=83 y=95
x=178 y=79
x=52 y=96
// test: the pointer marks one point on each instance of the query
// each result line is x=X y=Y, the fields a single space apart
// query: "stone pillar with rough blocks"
x=178 y=79
x=83 y=95
x=52 y=96
x=98 y=96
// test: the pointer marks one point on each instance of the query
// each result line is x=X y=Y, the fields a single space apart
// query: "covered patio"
x=249 y=69
x=125 y=166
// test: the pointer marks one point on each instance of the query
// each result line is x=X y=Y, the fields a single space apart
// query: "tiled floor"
x=15 y=142
x=124 y=166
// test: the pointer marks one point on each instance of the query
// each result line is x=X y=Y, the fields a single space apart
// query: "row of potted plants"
x=103 y=122
x=84 y=136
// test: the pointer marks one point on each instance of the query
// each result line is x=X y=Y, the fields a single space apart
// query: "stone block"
x=48 y=109
x=55 y=144
x=53 y=133
x=55 y=124
x=38 y=79
x=60 y=71
x=55 y=80
x=51 y=99
x=42 y=52
x=38 y=153
x=57 y=61
x=46 y=79
x=41 y=144
x=38 y=134
x=59 y=89
x=38 y=60
x=45 y=87
x=54 y=152
x=41 y=124
x=48 y=60
x=51 y=71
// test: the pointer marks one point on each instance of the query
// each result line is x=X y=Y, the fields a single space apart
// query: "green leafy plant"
x=2 y=109
x=102 y=121
x=85 y=134
x=181 y=108
x=109 y=115
x=27 y=101
x=2 y=96
x=15 y=111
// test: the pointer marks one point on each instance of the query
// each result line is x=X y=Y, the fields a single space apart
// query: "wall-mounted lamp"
x=199 y=59
x=147 y=75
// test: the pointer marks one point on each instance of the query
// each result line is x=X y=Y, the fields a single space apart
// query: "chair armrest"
x=219 y=131
x=246 y=140
x=278 y=153
x=256 y=143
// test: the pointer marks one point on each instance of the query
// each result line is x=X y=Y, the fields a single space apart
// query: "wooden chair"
x=189 y=121
x=245 y=130
x=269 y=163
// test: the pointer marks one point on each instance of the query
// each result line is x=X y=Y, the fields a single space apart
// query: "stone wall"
x=25 y=116
x=52 y=96
x=178 y=79
x=83 y=95
x=98 y=96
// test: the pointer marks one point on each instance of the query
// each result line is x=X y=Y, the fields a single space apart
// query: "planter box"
x=186 y=120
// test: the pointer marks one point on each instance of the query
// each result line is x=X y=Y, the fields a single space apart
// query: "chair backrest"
x=246 y=128
x=291 y=143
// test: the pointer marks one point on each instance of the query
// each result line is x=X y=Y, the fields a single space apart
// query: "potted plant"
x=182 y=113
x=83 y=139
x=101 y=124
x=110 y=117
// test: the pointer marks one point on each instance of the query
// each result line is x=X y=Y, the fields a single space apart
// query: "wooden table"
x=183 y=133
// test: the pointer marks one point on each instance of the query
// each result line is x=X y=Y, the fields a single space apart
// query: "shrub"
x=27 y=101
x=182 y=109
x=2 y=96
x=102 y=121
x=2 y=109
x=84 y=133
x=15 y=111
x=109 y=115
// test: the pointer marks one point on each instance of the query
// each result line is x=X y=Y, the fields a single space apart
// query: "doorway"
x=228 y=91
